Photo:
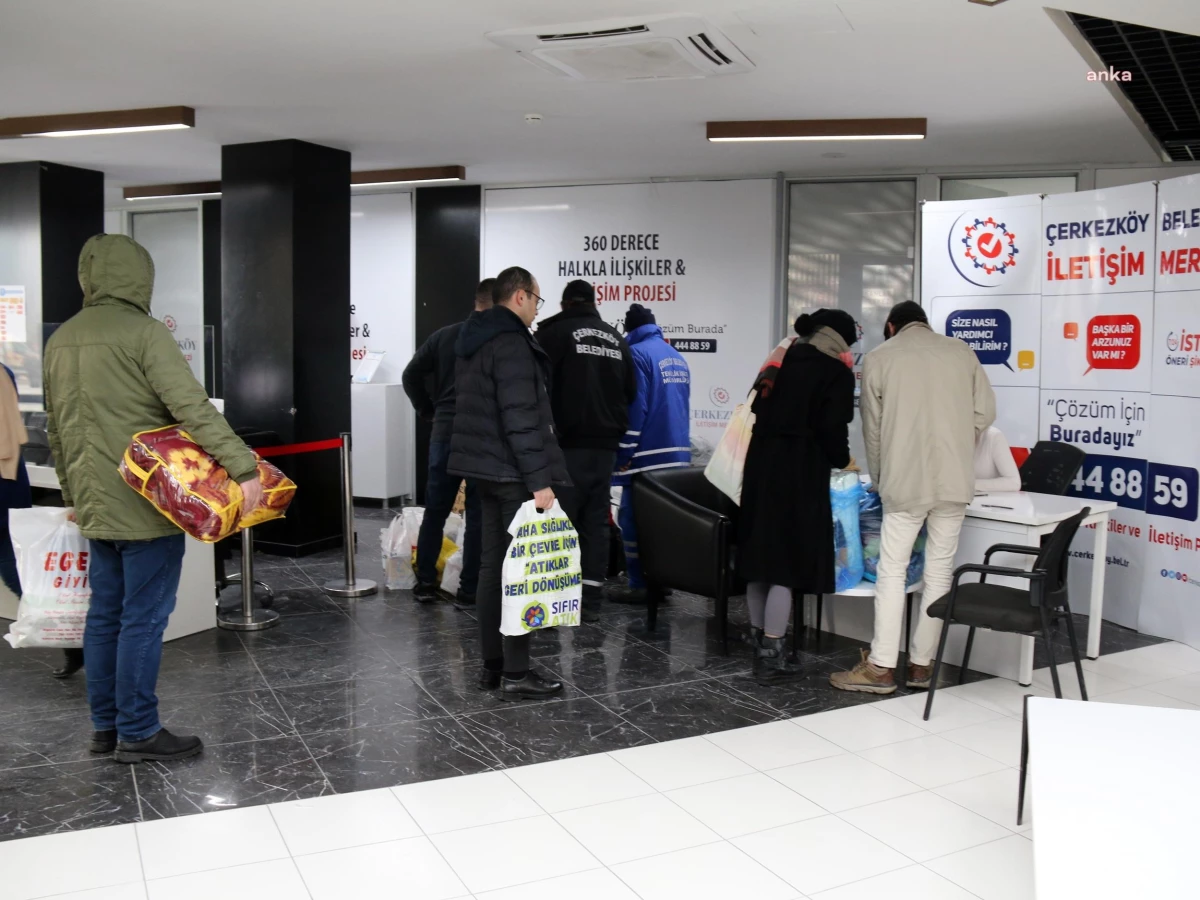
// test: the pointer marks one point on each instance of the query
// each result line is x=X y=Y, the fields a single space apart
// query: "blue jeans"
x=133 y=594
x=441 y=489
x=633 y=565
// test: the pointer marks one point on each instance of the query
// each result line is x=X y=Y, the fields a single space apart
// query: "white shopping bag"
x=541 y=581
x=452 y=573
x=398 y=541
x=728 y=461
x=52 y=559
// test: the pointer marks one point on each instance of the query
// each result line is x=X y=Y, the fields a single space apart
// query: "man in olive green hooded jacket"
x=112 y=371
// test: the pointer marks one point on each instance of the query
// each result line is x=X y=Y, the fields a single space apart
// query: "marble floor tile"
x=227 y=776
x=360 y=702
x=220 y=673
x=227 y=718
x=469 y=801
x=300 y=631
x=686 y=710
x=532 y=732
x=455 y=688
x=52 y=737
x=324 y=663
x=66 y=797
x=621 y=666
x=57 y=864
x=359 y=759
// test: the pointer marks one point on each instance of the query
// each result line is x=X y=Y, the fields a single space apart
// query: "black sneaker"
x=163 y=747
x=489 y=679
x=425 y=593
x=532 y=687
x=103 y=741
x=463 y=600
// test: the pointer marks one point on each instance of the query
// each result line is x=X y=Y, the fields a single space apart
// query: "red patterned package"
x=191 y=489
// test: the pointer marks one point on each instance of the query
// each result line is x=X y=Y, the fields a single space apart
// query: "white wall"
x=382 y=263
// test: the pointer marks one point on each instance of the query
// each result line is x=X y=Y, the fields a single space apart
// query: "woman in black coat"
x=785 y=542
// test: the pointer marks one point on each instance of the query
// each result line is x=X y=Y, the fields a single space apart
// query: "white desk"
x=1114 y=790
x=195 y=607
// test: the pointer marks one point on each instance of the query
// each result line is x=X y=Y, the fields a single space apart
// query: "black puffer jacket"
x=503 y=426
x=429 y=381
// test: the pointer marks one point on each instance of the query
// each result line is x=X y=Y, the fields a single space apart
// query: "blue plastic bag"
x=845 y=494
x=870 y=526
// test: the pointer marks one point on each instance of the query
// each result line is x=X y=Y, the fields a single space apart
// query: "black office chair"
x=999 y=608
x=1051 y=467
x=686 y=535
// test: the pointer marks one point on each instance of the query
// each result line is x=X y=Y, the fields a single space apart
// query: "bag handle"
x=138 y=472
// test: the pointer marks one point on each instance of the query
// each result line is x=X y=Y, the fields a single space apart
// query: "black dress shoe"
x=72 y=663
x=163 y=747
x=425 y=593
x=589 y=615
x=103 y=741
x=628 y=595
x=532 y=687
x=464 y=600
x=489 y=679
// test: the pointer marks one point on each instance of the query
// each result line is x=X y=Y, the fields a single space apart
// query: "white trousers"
x=900 y=530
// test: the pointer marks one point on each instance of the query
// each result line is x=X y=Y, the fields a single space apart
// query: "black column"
x=285 y=273
x=448 y=227
x=47 y=213
x=210 y=229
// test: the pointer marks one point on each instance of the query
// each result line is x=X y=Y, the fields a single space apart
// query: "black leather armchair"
x=687 y=533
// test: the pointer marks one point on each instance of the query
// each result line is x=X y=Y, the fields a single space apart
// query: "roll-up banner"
x=700 y=255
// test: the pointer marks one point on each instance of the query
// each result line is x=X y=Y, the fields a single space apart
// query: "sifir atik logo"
x=983 y=250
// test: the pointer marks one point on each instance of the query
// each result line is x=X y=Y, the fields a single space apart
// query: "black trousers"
x=500 y=503
x=587 y=505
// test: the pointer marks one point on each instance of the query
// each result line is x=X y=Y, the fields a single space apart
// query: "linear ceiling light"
x=819 y=130
x=428 y=175
x=174 y=191
x=986 y=2
x=117 y=121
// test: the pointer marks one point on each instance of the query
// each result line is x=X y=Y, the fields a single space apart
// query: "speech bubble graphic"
x=1025 y=359
x=986 y=331
x=1114 y=342
x=1071 y=330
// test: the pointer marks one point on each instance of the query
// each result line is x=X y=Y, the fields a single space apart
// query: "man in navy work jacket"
x=659 y=429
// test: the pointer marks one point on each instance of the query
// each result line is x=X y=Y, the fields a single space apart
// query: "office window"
x=1015 y=186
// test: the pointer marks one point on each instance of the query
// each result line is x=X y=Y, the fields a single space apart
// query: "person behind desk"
x=995 y=469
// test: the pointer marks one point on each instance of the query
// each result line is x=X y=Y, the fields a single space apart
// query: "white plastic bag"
x=399 y=540
x=452 y=574
x=541 y=581
x=728 y=461
x=52 y=559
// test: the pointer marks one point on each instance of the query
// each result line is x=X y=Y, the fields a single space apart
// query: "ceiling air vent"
x=645 y=50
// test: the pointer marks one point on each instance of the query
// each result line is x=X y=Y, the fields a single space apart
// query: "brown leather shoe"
x=865 y=677
x=919 y=676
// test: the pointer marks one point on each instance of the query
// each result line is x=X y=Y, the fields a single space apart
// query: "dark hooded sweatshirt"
x=503 y=425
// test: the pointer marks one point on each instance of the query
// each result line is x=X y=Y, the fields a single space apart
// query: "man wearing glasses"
x=504 y=440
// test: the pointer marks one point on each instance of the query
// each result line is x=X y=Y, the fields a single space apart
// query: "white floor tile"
x=412 y=869
x=1002 y=870
x=843 y=782
x=467 y=801
x=676 y=764
x=736 y=806
x=999 y=739
x=992 y=796
x=1179 y=656
x=859 y=727
x=581 y=781
x=500 y=856
x=931 y=761
x=34 y=867
x=913 y=883
x=925 y=826
x=597 y=884
x=1132 y=668
x=342 y=820
x=234 y=837
x=949 y=711
x=1146 y=697
x=999 y=694
x=704 y=873
x=135 y=891
x=821 y=854
x=1097 y=685
x=1186 y=688
x=277 y=879
x=633 y=829
x=774 y=745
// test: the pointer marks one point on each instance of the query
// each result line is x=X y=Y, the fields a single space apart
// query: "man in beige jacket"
x=925 y=399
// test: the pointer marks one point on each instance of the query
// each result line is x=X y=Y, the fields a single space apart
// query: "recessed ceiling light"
x=427 y=175
x=117 y=121
x=818 y=130
x=193 y=189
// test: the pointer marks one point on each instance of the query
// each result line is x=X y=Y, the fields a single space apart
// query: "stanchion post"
x=353 y=586
x=247 y=618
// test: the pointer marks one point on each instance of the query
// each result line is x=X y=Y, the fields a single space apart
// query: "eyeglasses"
x=540 y=300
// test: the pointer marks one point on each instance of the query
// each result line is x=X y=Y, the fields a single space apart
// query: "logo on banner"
x=169 y=321
x=982 y=250
x=719 y=396
x=1183 y=349
x=534 y=616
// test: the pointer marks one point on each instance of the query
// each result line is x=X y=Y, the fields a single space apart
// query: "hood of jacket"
x=114 y=268
x=578 y=311
x=644 y=333
x=482 y=327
